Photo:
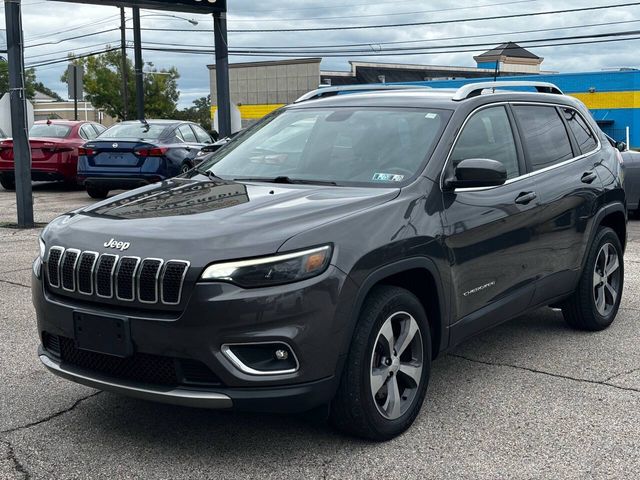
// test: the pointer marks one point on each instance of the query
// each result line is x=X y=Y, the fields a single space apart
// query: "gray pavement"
x=528 y=399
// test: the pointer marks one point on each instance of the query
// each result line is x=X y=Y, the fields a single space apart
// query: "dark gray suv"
x=325 y=256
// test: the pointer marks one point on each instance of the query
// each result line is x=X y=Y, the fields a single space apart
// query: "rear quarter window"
x=581 y=131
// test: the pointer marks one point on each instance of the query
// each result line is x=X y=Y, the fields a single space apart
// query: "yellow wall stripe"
x=609 y=100
x=253 y=112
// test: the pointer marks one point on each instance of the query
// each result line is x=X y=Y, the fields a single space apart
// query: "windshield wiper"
x=210 y=174
x=287 y=180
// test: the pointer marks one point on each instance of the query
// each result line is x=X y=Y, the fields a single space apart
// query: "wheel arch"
x=613 y=216
x=421 y=277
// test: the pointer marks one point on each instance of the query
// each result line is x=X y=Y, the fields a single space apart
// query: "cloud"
x=49 y=22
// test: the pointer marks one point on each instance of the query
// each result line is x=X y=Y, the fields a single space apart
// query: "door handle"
x=589 y=177
x=526 y=197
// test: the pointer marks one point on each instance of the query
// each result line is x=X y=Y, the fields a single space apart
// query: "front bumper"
x=290 y=399
x=302 y=315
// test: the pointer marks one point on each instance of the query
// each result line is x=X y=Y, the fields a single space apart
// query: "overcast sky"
x=51 y=21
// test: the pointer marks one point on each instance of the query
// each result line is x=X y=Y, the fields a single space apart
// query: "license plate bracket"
x=107 y=335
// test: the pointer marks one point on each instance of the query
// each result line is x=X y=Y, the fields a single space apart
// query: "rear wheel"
x=387 y=371
x=594 y=304
x=98 y=193
x=8 y=183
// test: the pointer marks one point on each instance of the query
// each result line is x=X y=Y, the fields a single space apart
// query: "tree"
x=103 y=86
x=199 y=113
x=29 y=77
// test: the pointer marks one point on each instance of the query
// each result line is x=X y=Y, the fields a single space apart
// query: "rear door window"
x=583 y=134
x=488 y=134
x=203 y=137
x=544 y=135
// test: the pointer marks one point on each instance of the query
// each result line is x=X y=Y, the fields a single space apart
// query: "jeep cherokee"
x=330 y=252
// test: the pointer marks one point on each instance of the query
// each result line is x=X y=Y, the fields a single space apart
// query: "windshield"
x=134 y=130
x=354 y=145
x=49 y=131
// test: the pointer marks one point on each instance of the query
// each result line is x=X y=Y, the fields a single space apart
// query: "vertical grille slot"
x=148 y=280
x=86 y=264
x=53 y=266
x=172 y=280
x=125 y=278
x=104 y=275
x=68 y=269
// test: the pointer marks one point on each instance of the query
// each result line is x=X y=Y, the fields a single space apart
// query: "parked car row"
x=126 y=155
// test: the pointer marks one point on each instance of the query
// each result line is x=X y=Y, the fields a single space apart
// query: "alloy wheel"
x=396 y=365
x=606 y=279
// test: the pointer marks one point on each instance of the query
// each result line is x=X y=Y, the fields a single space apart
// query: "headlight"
x=274 y=270
x=43 y=248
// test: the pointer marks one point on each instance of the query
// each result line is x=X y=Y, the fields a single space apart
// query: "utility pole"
x=137 y=46
x=125 y=70
x=18 y=98
x=222 y=73
x=75 y=92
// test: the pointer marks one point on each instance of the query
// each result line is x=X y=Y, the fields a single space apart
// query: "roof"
x=160 y=121
x=509 y=49
x=58 y=121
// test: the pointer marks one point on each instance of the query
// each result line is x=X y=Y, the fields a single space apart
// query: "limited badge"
x=387 y=177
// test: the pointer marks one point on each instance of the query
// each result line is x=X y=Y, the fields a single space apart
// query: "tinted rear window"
x=544 y=136
x=49 y=131
x=134 y=130
x=581 y=131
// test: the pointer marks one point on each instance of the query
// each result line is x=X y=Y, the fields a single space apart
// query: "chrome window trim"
x=184 y=275
x=111 y=275
x=240 y=365
x=139 y=270
x=58 y=249
x=133 y=279
x=93 y=266
x=526 y=175
x=75 y=264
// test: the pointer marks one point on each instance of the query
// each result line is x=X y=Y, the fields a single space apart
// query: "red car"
x=54 y=151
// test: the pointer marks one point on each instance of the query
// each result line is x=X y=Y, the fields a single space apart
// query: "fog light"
x=268 y=358
x=282 y=354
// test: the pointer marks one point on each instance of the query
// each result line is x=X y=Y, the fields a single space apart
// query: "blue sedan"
x=135 y=153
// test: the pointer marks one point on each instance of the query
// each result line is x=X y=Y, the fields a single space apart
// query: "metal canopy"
x=190 y=6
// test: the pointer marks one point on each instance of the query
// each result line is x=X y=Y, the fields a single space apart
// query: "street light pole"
x=19 y=124
x=137 y=46
x=125 y=70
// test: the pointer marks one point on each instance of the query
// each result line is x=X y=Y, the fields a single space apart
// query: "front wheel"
x=594 y=304
x=387 y=370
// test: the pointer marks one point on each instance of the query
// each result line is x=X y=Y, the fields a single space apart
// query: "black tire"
x=354 y=409
x=185 y=167
x=99 y=193
x=580 y=310
x=8 y=183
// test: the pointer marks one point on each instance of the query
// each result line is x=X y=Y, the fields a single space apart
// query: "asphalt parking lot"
x=529 y=399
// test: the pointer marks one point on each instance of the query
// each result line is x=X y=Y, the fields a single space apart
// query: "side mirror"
x=621 y=146
x=477 y=172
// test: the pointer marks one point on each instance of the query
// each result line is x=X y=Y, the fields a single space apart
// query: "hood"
x=185 y=218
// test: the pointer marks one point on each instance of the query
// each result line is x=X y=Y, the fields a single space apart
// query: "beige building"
x=45 y=107
x=258 y=88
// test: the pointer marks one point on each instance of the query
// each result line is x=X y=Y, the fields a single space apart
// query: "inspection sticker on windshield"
x=387 y=177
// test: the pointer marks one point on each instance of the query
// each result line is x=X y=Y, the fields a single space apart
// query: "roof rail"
x=475 y=89
x=336 y=90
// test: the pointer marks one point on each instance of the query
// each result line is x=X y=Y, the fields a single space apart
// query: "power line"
x=435 y=22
